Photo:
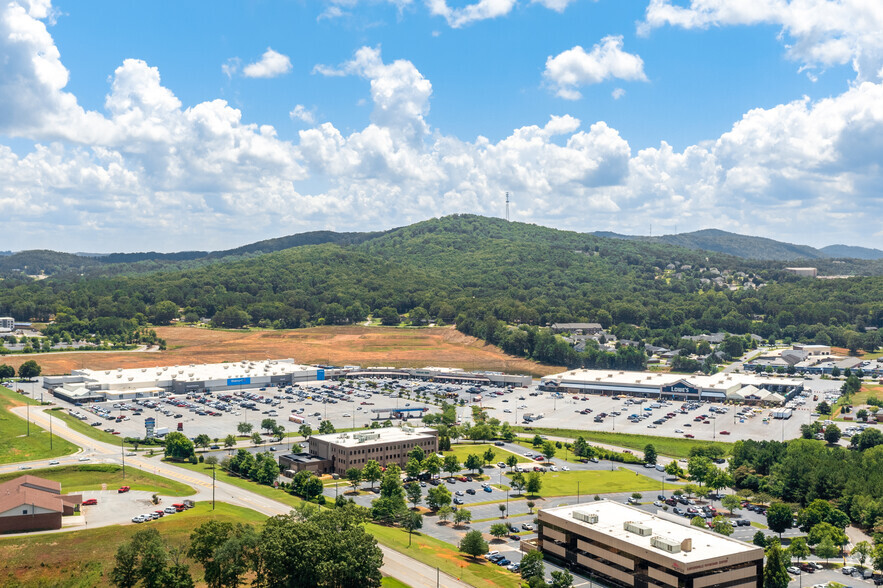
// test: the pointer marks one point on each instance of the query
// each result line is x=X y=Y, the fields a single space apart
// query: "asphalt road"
x=397 y=565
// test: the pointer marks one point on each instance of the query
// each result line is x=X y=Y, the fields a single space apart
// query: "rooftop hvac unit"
x=586 y=517
x=226 y=367
x=119 y=375
x=107 y=372
x=143 y=369
x=130 y=378
x=637 y=528
x=665 y=544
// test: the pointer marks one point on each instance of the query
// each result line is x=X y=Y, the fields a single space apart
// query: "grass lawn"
x=669 y=446
x=389 y=582
x=462 y=450
x=77 y=478
x=15 y=443
x=445 y=556
x=84 y=427
x=222 y=476
x=595 y=482
x=84 y=558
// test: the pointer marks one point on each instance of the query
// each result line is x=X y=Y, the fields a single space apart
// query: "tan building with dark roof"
x=29 y=503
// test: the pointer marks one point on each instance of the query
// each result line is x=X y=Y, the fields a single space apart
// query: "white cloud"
x=301 y=113
x=556 y=5
x=481 y=10
x=820 y=33
x=399 y=91
x=271 y=65
x=575 y=67
x=231 y=68
x=196 y=174
x=617 y=93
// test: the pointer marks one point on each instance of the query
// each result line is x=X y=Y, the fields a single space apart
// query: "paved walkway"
x=395 y=564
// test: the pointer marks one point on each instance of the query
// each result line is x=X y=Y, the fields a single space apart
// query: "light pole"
x=28 y=410
x=577 y=491
x=213 y=486
x=50 y=430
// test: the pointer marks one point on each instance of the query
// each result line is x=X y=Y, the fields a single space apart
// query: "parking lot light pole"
x=213 y=486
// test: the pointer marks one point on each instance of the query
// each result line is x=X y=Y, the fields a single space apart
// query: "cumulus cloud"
x=819 y=33
x=399 y=91
x=481 y=10
x=301 y=113
x=617 y=93
x=149 y=164
x=576 y=67
x=271 y=65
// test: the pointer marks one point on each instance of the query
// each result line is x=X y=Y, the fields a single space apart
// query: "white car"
x=138 y=519
x=84 y=458
x=565 y=469
x=658 y=503
x=679 y=430
x=553 y=469
x=54 y=462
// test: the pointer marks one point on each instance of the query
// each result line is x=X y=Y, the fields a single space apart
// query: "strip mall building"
x=718 y=387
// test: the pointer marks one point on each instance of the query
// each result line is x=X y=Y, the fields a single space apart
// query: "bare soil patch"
x=362 y=346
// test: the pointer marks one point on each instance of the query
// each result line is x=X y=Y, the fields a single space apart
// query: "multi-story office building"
x=626 y=546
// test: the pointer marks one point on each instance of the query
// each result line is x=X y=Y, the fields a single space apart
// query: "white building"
x=89 y=385
x=7 y=324
x=665 y=385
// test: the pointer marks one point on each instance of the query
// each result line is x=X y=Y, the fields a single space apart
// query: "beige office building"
x=625 y=546
x=338 y=452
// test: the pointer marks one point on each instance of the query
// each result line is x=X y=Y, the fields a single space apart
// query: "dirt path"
x=357 y=345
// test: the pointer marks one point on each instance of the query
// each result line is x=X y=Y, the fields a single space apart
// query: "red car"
x=123 y=489
x=689 y=436
x=463 y=479
x=90 y=502
x=539 y=458
x=725 y=432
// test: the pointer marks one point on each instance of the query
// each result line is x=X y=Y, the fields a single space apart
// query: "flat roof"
x=371 y=436
x=153 y=376
x=721 y=382
x=613 y=515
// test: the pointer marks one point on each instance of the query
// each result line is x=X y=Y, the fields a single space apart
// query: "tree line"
x=490 y=277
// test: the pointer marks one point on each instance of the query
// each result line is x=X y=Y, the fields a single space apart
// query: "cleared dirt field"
x=363 y=346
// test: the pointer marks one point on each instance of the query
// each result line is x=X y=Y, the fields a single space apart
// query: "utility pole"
x=50 y=430
x=28 y=410
x=123 y=454
x=213 y=486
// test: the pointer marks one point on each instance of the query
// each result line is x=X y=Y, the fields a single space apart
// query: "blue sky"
x=164 y=126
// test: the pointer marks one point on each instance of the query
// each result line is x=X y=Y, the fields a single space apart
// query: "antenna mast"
x=507 y=206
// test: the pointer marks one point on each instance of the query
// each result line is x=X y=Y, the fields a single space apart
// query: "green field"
x=83 y=558
x=389 y=582
x=462 y=451
x=668 y=446
x=222 y=476
x=595 y=482
x=15 y=443
x=77 y=478
x=445 y=556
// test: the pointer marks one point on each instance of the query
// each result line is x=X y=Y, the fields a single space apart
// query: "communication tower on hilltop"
x=507 y=206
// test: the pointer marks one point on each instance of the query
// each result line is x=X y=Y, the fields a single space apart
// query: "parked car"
x=123 y=489
x=90 y=502
x=793 y=570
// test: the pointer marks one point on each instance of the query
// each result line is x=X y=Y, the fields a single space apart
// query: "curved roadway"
x=395 y=564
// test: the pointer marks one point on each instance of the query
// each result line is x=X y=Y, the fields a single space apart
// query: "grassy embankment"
x=83 y=427
x=668 y=446
x=15 y=443
x=84 y=558
x=77 y=478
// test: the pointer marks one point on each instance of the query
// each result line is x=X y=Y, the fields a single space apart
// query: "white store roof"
x=164 y=375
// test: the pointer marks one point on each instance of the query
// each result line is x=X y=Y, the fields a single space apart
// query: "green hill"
x=486 y=275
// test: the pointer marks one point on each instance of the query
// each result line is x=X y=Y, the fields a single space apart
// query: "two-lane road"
x=395 y=564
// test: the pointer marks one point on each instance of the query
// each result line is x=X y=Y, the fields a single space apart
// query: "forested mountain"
x=744 y=246
x=852 y=252
x=265 y=246
x=40 y=261
x=494 y=279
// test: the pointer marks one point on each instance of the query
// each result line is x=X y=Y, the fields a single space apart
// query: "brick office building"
x=30 y=503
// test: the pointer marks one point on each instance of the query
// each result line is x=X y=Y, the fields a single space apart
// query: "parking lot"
x=349 y=405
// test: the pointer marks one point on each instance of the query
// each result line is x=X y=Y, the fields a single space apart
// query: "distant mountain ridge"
x=749 y=247
x=713 y=240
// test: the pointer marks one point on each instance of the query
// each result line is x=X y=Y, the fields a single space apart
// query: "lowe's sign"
x=679 y=388
x=238 y=381
x=320 y=375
